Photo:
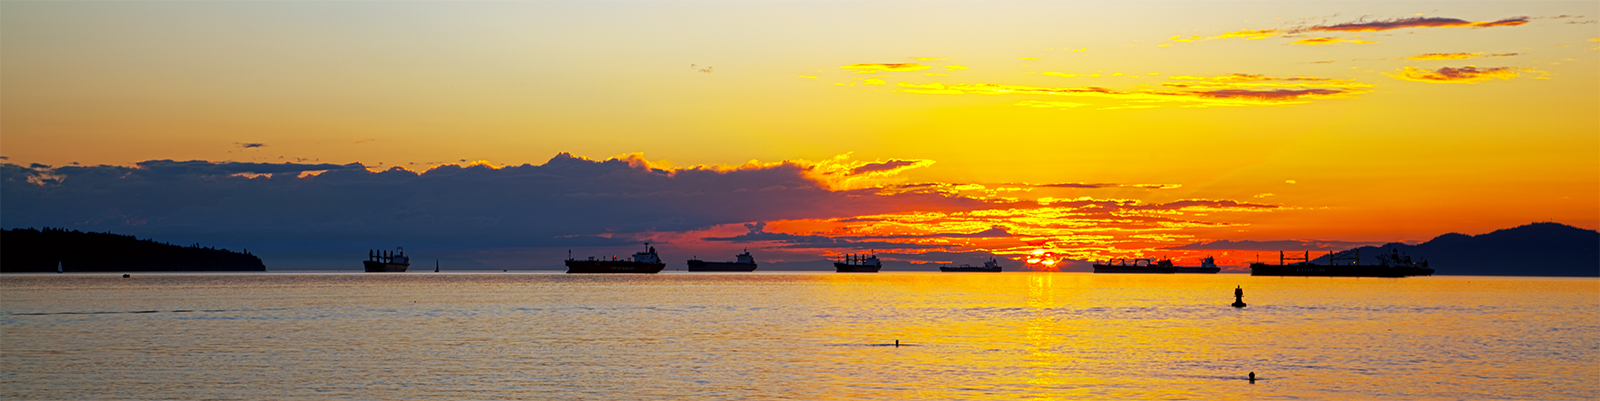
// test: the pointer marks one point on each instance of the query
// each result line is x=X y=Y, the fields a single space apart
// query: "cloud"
x=1049 y=105
x=931 y=58
x=1412 y=22
x=249 y=145
x=1103 y=185
x=1278 y=245
x=1456 y=56
x=1249 y=34
x=1209 y=93
x=889 y=167
x=897 y=67
x=1359 y=26
x=953 y=67
x=1328 y=41
x=471 y=206
x=1030 y=59
x=1461 y=75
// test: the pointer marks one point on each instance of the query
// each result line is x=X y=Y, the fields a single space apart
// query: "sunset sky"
x=928 y=132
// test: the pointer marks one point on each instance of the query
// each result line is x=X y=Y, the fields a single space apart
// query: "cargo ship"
x=858 y=264
x=744 y=263
x=391 y=262
x=1140 y=265
x=643 y=262
x=988 y=267
x=1207 y=266
x=1391 y=264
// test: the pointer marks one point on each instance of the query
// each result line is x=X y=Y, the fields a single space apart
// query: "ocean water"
x=794 y=336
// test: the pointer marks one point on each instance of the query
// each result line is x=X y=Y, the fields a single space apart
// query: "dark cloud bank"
x=567 y=202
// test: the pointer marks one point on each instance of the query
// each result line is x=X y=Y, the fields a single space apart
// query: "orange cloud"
x=1462 y=75
x=895 y=67
x=1328 y=41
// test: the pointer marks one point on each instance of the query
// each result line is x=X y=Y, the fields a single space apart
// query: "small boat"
x=643 y=262
x=1148 y=265
x=988 y=267
x=858 y=264
x=744 y=263
x=1207 y=266
x=390 y=262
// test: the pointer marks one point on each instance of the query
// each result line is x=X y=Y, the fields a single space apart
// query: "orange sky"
x=1345 y=121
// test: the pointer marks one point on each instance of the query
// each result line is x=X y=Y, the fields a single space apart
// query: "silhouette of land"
x=30 y=250
x=1538 y=249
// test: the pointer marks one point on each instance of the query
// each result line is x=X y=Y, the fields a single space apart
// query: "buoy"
x=897 y=343
x=1238 y=297
x=1252 y=377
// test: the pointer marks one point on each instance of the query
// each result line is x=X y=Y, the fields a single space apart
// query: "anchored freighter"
x=643 y=262
x=1391 y=264
x=858 y=264
x=988 y=267
x=745 y=263
x=392 y=262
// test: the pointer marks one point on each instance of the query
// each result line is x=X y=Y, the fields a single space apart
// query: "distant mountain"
x=29 y=250
x=1538 y=249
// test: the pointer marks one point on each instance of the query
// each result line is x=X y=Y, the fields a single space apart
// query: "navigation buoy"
x=897 y=343
x=1238 y=297
x=1252 y=377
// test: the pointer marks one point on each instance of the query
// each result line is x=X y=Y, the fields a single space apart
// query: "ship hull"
x=1301 y=269
x=959 y=269
x=849 y=268
x=613 y=266
x=1198 y=270
x=380 y=267
x=1134 y=269
x=703 y=266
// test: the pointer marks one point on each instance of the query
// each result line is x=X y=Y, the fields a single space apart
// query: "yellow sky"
x=1396 y=146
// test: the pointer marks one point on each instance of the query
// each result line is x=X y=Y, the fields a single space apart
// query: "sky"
x=503 y=134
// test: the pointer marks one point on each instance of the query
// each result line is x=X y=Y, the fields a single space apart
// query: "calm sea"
x=794 y=336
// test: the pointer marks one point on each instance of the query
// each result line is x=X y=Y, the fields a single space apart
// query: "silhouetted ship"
x=643 y=262
x=745 y=263
x=1391 y=264
x=1149 y=265
x=1207 y=266
x=988 y=267
x=858 y=264
x=382 y=261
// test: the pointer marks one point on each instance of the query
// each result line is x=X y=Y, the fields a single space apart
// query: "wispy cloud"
x=1249 y=34
x=1412 y=22
x=1329 y=41
x=893 y=67
x=250 y=145
x=1358 y=26
x=1288 y=94
x=1049 y=105
x=1457 y=56
x=1458 y=75
x=1278 y=245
